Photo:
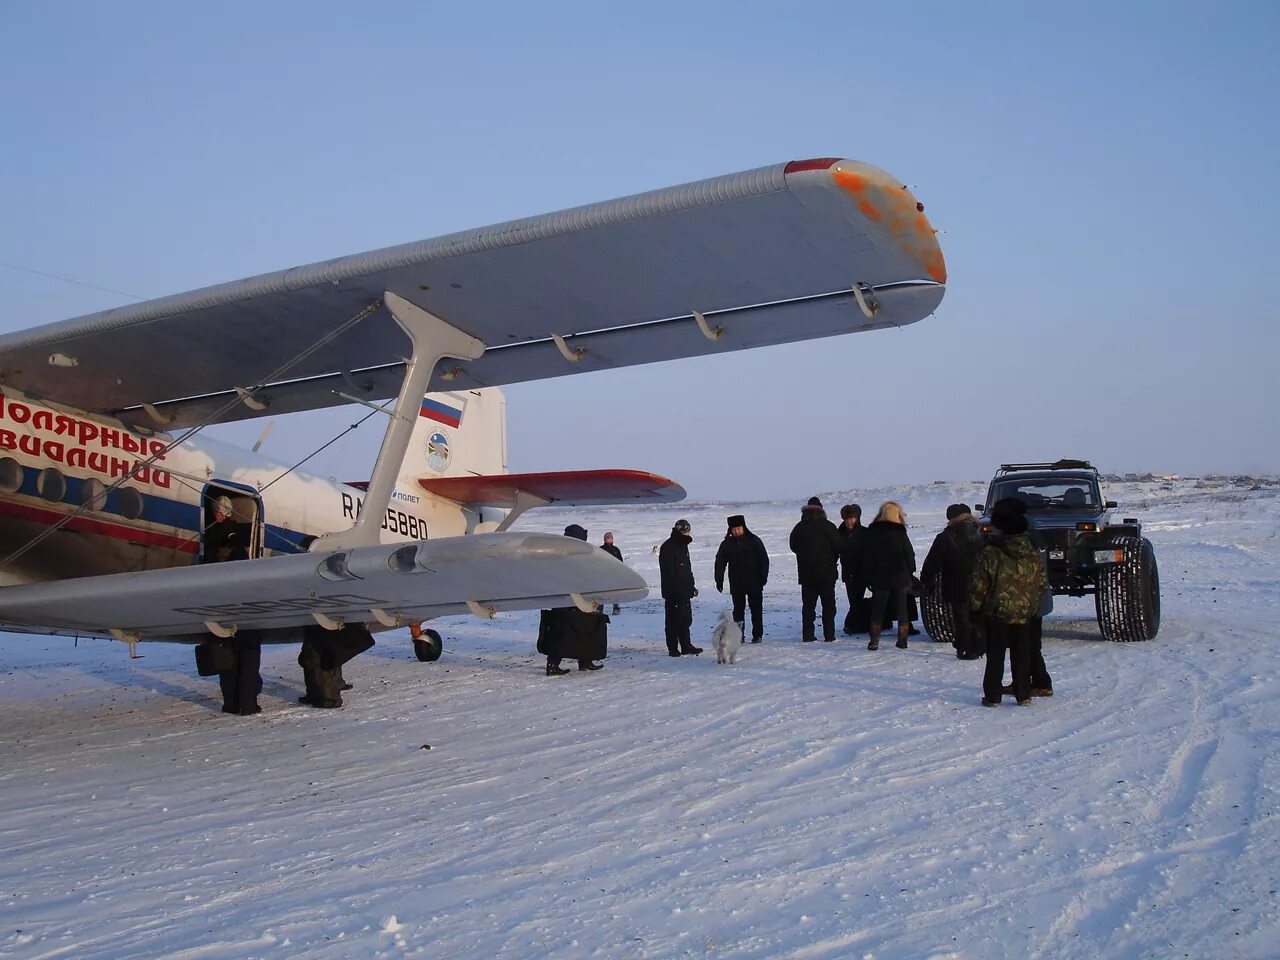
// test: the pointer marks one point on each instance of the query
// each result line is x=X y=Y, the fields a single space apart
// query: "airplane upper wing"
x=388 y=583
x=787 y=252
x=569 y=488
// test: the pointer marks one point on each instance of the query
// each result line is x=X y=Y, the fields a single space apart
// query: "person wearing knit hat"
x=678 y=589
x=946 y=571
x=743 y=555
x=816 y=545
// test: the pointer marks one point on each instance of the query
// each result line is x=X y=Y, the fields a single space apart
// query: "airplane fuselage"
x=56 y=467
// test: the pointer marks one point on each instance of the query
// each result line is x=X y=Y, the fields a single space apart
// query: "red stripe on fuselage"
x=102 y=528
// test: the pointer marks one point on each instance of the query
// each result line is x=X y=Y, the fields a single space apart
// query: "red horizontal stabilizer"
x=570 y=488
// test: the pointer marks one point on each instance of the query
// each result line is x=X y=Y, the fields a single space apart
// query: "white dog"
x=727 y=638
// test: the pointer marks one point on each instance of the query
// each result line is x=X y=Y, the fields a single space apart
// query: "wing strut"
x=432 y=340
x=524 y=501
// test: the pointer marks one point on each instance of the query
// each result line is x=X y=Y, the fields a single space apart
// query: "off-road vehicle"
x=1087 y=551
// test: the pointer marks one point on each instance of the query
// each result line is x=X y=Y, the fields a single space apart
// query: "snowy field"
x=812 y=801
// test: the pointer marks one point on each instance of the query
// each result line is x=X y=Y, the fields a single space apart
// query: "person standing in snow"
x=1041 y=682
x=816 y=545
x=743 y=554
x=1007 y=585
x=891 y=561
x=853 y=566
x=570 y=633
x=950 y=560
x=609 y=548
x=678 y=589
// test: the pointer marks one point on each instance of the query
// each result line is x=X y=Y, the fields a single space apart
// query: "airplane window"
x=51 y=484
x=128 y=503
x=92 y=494
x=10 y=475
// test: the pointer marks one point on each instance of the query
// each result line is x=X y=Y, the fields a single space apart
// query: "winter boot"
x=903 y=632
x=555 y=670
x=874 y=630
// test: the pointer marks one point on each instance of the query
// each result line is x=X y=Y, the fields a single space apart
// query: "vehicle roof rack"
x=1056 y=465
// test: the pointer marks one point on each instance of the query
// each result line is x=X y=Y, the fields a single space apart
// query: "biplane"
x=106 y=483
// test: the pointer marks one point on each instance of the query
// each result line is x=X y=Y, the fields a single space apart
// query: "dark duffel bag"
x=214 y=657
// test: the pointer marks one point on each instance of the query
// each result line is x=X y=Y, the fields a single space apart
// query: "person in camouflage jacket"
x=1005 y=589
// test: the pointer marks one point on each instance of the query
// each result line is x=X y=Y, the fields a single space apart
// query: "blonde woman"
x=891 y=561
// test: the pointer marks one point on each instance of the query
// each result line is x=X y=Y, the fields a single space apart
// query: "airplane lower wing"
x=391 y=584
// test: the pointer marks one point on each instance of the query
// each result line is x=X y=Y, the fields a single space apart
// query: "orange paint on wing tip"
x=877 y=199
x=849 y=180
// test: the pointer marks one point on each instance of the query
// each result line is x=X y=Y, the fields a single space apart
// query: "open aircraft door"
x=246 y=513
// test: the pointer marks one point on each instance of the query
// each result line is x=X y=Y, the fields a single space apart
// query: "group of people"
x=996 y=584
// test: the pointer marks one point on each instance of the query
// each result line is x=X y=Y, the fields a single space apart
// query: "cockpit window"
x=1049 y=493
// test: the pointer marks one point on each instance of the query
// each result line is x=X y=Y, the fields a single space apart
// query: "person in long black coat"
x=816 y=545
x=853 y=567
x=892 y=560
x=951 y=558
x=567 y=633
x=743 y=555
x=678 y=589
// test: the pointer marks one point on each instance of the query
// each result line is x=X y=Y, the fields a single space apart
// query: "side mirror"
x=1111 y=504
x=979 y=509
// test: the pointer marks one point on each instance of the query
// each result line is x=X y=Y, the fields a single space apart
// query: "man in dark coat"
x=816 y=544
x=744 y=556
x=609 y=548
x=678 y=589
x=951 y=559
x=853 y=567
x=570 y=633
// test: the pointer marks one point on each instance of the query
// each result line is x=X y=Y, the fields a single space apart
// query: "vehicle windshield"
x=1048 y=493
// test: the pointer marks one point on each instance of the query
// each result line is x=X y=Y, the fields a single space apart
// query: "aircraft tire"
x=429 y=648
x=1128 y=596
x=939 y=621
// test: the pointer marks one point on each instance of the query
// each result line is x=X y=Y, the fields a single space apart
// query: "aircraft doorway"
x=231 y=524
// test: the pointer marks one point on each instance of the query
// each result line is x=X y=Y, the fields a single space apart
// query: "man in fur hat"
x=744 y=556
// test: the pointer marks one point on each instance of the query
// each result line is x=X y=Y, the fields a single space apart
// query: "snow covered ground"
x=811 y=801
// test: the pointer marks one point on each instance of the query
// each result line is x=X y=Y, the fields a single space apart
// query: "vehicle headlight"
x=1109 y=556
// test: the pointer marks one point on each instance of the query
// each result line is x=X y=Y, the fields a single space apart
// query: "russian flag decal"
x=444 y=413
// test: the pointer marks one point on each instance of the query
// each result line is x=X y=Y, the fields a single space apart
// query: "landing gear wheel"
x=939 y=620
x=429 y=647
x=1128 y=597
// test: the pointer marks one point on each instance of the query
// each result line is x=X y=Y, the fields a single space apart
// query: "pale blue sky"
x=1104 y=177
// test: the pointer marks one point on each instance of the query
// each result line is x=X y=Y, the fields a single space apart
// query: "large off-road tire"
x=939 y=621
x=429 y=647
x=1128 y=597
